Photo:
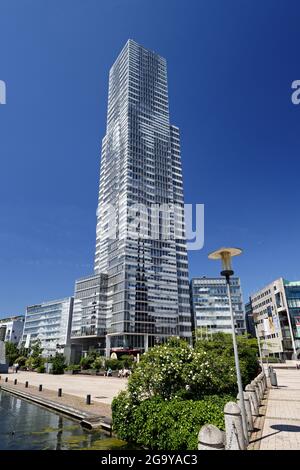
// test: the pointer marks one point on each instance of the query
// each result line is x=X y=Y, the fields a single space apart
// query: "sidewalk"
x=102 y=389
x=281 y=429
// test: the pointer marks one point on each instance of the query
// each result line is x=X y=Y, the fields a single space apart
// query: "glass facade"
x=148 y=287
x=250 y=324
x=211 y=305
x=292 y=293
x=50 y=323
x=90 y=309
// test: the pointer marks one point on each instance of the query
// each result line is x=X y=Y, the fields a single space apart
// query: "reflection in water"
x=24 y=425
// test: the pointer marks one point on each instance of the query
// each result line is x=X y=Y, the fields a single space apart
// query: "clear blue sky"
x=230 y=67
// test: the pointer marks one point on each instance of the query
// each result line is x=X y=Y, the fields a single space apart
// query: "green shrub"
x=34 y=363
x=11 y=352
x=41 y=369
x=21 y=360
x=87 y=361
x=58 y=364
x=114 y=364
x=127 y=361
x=166 y=424
x=73 y=367
x=98 y=363
x=175 y=389
x=176 y=370
x=29 y=363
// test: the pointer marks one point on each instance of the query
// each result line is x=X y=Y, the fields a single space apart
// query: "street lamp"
x=225 y=255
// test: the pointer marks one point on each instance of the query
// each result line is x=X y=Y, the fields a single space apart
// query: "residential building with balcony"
x=50 y=323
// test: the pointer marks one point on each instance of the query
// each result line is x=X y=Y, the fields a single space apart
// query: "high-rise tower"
x=141 y=179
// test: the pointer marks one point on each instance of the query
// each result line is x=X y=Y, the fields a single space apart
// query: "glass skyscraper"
x=141 y=179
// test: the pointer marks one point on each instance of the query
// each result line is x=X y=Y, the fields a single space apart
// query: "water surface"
x=26 y=426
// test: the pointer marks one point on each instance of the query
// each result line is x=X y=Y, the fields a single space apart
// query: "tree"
x=220 y=346
x=58 y=364
x=35 y=360
x=36 y=349
x=11 y=352
x=87 y=361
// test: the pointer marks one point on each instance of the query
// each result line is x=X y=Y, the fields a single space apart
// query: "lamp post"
x=225 y=254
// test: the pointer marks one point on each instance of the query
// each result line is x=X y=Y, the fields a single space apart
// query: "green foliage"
x=114 y=364
x=98 y=363
x=127 y=361
x=11 y=352
x=21 y=360
x=36 y=349
x=87 y=361
x=73 y=367
x=220 y=349
x=176 y=370
x=166 y=425
x=58 y=364
x=29 y=363
x=34 y=363
x=175 y=389
x=41 y=369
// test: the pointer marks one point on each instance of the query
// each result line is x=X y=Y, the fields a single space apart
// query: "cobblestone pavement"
x=102 y=389
x=281 y=430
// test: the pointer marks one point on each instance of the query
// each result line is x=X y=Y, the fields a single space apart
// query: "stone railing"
x=211 y=438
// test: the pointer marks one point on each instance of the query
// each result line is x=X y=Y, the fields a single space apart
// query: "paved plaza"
x=102 y=389
x=281 y=430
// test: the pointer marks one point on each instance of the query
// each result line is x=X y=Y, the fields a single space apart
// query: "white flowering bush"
x=176 y=388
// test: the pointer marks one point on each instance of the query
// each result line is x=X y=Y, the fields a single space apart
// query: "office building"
x=250 y=324
x=210 y=305
x=89 y=315
x=11 y=329
x=49 y=322
x=276 y=313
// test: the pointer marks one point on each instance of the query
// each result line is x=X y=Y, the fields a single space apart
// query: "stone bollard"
x=253 y=399
x=6 y=379
x=59 y=392
x=262 y=385
x=40 y=388
x=88 y=399
x=211 y=438
x=248 y=411
x=265 y=381
x=262 y=381
x=257 y=380
x=256 y=388
x=26 y=384
x=15 y=382
x=234 y=427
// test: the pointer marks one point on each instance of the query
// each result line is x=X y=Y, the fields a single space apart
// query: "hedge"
x=166 y=424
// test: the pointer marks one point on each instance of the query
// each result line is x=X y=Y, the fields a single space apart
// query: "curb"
x=88 y=420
